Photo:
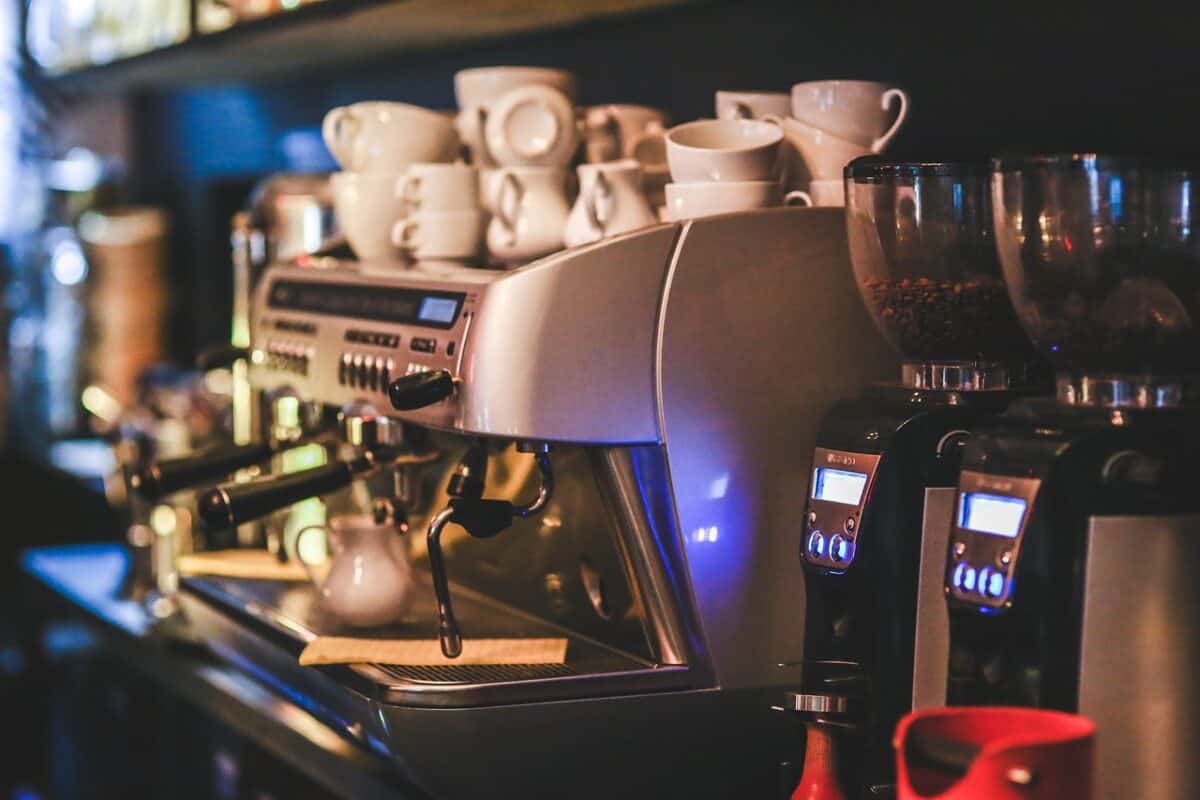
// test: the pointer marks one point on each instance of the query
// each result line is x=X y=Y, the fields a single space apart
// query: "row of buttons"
x=365 y=372
x=288 y=356
x=373 y=338
x=841 y=548
x=988 y=582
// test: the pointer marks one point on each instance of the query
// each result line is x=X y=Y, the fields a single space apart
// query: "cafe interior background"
x=187 y=127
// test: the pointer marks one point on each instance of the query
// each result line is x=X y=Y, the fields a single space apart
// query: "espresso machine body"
x=677 y=374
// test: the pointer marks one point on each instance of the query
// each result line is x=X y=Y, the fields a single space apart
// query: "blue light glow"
x=816 y=544
x=968 y=581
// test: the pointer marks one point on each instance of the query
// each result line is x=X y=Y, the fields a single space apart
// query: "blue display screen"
x=838 y=485
x=991 y=513
x=437 y=309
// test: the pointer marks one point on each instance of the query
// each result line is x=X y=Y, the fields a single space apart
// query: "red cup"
x=996 y=753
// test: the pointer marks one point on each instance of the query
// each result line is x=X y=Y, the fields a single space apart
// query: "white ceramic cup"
x=531 y=126
x=529 y=213
x=706 y=198
x=386 y=137
x=821 y=155
x=479 y=88
x=752 y=105
x=611 y=201
x=439 y=187
x=366 y=206
x=450 y=235
x=723 y=150
x=858 y=111
x=616 y=131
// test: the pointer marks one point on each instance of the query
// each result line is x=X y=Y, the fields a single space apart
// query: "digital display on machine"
x=839 y=486
x=438 y=309
x=991 y=513
x=380 y=303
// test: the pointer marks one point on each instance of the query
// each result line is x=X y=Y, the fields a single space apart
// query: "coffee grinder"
x=886 y=462
x=1076 y=536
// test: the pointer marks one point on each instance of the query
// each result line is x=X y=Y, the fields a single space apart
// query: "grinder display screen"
x=380 y=303
x=991 y=513
x=838 y=486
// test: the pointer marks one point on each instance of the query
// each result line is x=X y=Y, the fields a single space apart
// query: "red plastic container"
x=972 y=753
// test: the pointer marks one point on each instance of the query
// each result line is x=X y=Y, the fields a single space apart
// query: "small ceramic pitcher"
x=367 y=579
x=611 y=201
x=530 y=210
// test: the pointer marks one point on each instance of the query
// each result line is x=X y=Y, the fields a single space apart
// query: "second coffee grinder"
x=874 y=538
x=1076 y=537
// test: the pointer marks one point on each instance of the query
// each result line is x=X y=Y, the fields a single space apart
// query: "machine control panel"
x=841 y=485
x=338 y=336
x=991 y=513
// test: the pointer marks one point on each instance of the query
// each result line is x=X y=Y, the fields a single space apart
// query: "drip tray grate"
x=475 y=673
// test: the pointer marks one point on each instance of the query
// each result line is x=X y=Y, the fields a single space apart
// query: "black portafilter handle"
x=233 y=504
x=420 y=389
x=171 y=475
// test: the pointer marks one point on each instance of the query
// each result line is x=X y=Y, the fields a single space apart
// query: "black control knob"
x=420 y=389
x=172 y=475
x=233 y=504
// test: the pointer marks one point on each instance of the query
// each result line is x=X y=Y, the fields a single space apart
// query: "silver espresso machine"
x=611 y=445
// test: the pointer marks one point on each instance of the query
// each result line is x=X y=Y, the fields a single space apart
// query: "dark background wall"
x=984 y=78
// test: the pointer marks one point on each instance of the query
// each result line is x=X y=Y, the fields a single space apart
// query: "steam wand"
x=479 y=517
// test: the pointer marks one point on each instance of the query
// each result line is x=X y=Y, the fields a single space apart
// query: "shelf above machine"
x=337 y=33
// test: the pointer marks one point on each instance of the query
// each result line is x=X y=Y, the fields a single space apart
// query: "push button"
x=985 y=575
x=816 y=544
x=373 y=374
x=968 y=579
x=995 y=585
x=423 y=345
x=839 y=549
x=957 y=577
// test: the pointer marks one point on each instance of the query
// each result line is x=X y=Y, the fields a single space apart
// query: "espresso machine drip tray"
x=282 y=618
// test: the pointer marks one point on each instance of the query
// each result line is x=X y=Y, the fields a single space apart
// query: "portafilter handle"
x=171 y=475
x=233 y=504
x=420 y=389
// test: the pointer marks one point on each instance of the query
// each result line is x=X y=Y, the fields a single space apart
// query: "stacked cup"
x=832 y=123
x=519 y=124
x=442 y=219
x=722 y=165
x=377 y=143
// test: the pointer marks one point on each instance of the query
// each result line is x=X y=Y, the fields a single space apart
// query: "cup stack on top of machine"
x=826 y=125
x=520 y=127
x=722 y=165
x=378 y=144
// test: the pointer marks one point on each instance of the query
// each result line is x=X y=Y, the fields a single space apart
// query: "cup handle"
x=880 y=143
x=506 y=211
x=339 y=129
x=404 y=234
x=601 y=193
x=408 y=190
x=739 y=110
x=797 y=198
x=308 y=568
